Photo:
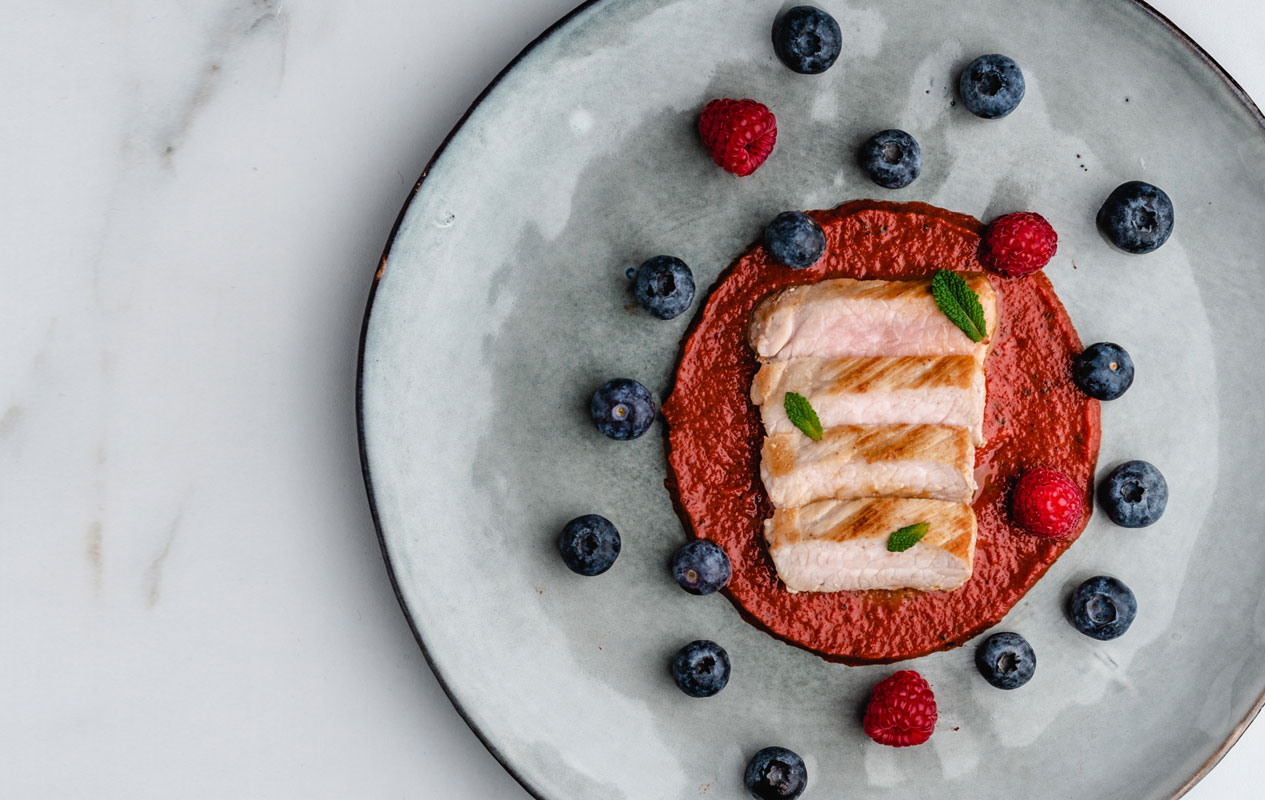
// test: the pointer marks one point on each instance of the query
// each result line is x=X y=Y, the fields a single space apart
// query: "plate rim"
x=1164 y=22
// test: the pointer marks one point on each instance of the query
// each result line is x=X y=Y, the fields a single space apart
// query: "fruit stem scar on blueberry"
x=1101 y=610
x=589 y=544
x=1134 y=494
x=1103 y=371
x=795 y=240
x=991 y=86
x=1137 y=217
x=807 y=39
x=892 y=158
x=701 y=567
x=664 y=286
x=1006 y=660
x=622 y=409
x=701 y=668
x=775 y=773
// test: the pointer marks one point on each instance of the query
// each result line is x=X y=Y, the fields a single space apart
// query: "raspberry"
x=1019 y=243
x=739 y=134
x=1047 y=503
x=902 y=710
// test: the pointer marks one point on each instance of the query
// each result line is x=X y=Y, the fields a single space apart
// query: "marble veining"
x=239 y=24
x=94 y=543
x=11 y=418
x=154 y=573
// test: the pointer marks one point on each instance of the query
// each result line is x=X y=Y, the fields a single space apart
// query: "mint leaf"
x=802 y=415
x=906 y=537
x=959 y=303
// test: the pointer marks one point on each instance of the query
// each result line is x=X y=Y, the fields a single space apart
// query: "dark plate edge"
x=1239 y=92
x=360 y=375
x=1145 y=7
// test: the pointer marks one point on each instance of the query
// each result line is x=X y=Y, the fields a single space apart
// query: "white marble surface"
x=194 y=198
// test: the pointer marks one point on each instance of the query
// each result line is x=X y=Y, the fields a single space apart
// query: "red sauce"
x=1034 y=416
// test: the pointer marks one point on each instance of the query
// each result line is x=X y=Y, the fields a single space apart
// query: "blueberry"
x=793 y=238
x=1006 y=660
x=664 y=286
x=1136 y=217
x=701 y=668
x=991 y=86
x=589 y=544
x=891 y=158
x=776 y=773
x=807 y=39
x=1134 y=494
x=622 y=409
x=1103 y=607
x=701 y=567
x=1104 y=371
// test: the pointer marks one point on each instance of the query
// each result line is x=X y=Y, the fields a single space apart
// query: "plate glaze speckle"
x=502 y=304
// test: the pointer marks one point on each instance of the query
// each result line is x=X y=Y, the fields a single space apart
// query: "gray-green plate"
x=502 y=303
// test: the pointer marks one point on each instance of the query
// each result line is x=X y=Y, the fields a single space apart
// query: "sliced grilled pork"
x=846 y=317
x=840 y=545
x=852 y=461
x=870 y=390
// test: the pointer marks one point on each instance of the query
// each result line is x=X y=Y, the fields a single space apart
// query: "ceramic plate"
x=502 y=303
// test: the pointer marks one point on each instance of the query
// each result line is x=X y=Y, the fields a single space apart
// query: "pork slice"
x=854 y=461
x=871 y=390
x=841 y=545
x=846 y=317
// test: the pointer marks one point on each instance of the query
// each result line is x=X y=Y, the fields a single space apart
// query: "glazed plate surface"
x=502 y=303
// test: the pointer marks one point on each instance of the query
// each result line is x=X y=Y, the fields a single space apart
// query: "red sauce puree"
x=1034 y=416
